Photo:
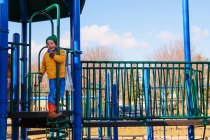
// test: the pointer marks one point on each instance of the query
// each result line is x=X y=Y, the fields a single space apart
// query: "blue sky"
x=133 y=28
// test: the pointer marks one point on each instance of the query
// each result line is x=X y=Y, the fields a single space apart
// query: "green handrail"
x=164 y=77
x=42 y=12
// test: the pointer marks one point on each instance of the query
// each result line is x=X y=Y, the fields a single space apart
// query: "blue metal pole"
x=77 y=68
x=24 y=103
x=99 y=128
x=15 y=85
x=3 y=67
x=89 y=110
x=115 y=107
x=187 y=59
x=147 y=96
x=23 y=74
x=163 y=112
x=186 y=30
x=108 y=103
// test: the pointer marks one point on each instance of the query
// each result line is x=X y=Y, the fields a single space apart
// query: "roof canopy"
x=32 y=6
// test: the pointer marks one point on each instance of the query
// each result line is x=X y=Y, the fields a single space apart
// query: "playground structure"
x=156 y=93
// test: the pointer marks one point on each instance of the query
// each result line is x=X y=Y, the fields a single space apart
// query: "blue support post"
x=187 y=55
x=108 y=103
x=115 y=108
x=89 y=110
x=99 y=131
x=186 y=29
x=52 y=134
x=147 y=100
x=163 y=112
x=3 y=67
x=24 y=103
x=99 y=128
x=15 y=86
x=77 y=70
x=23 y=75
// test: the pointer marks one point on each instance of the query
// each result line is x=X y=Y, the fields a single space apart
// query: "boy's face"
x=51 y=45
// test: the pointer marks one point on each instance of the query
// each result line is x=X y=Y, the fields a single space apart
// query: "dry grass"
x=158 y=131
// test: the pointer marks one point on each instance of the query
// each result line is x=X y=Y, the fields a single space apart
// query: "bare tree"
x=100 y=53
x=175 y=52
x=95 y=75
x=173 y=75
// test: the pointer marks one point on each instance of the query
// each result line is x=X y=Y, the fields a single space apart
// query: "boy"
x=49 y=66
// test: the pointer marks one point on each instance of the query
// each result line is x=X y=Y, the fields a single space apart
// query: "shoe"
x=52 y=111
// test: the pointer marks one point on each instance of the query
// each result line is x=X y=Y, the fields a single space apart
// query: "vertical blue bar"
x=163 y=112
x=186 y=29
x=77 y=70
x=115 y=108
x=24 y=98
x=99 y=128
x=89 y=110
x=187 y=59
x=15 y=86
x=148 y=113
x=3 y=67
x=23 y=74
x=108 y=103
x=52 y=134
x=24 y=104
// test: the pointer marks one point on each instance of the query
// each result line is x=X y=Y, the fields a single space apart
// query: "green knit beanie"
x=53 y=38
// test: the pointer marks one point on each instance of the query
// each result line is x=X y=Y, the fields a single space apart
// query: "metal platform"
x=39 y=120
x=34 y=119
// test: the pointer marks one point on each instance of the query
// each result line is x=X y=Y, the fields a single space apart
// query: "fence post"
x=185 y=10
x=108 y=103
x=115 y=108
x=147 y=100
x=14 y=98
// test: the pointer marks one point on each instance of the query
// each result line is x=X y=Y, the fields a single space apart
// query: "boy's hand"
x=40 y=76
x=52 y=54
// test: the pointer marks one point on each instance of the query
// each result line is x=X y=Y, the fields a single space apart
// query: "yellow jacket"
x=49 y=64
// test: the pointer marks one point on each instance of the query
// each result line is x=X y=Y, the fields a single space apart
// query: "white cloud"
x=198 y=33
x=36 y=47
x=167 y=36
x=65 y=40
x=104 y=36
x=95 y=35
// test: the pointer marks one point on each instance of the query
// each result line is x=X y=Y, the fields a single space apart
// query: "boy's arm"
x=43 y=67
x=60 y=58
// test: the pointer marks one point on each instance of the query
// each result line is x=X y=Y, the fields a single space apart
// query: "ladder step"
x=59 y=126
